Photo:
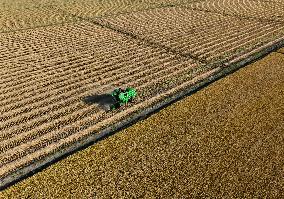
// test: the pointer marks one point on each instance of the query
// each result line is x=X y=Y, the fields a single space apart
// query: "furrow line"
x=46 y=80
x=58 y=89
x=200 y=39
x=52 y=135
x=224 y=50
x=11 y=166
x=105 y=81
x=250 y=34
x=193 y=45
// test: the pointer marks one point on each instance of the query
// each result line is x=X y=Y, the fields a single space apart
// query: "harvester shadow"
x=103 y=100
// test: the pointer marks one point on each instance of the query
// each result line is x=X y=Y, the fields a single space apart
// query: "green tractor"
x=122 y=97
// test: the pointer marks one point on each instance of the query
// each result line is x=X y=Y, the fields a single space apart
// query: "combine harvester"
x=122 y=97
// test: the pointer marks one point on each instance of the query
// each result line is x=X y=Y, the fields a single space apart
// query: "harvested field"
x=225 y=141
x=90 y=8
x=209 y=37
x=257 y=9
x=24 y=14
x=51 y=71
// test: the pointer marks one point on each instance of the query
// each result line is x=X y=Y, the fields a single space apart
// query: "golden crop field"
x=57 y=58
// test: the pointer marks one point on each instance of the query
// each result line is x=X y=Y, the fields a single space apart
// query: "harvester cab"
x=122 y=97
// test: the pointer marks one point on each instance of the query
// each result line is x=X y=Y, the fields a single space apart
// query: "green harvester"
x=122 y=97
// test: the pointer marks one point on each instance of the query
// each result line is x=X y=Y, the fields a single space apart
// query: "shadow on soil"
x=104 y=100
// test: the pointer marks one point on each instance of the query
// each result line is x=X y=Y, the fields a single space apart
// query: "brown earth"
x=23 y=14
x=225 y=141
x=92 y=9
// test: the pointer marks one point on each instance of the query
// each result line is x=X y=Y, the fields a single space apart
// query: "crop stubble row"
x=56 y=95
x=91 y=9
x=99 y=125
x=19 y=15
x=259 y=9
x=60 y=112
x=199 y=44
x=172 y=27
x=52 y=136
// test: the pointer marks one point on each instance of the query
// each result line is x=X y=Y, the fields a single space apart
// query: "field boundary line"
x=214 y=75
x=98 y=21
x=147 y=41
x=139 y=40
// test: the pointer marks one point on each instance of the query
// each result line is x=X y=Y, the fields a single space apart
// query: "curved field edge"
x=170 y=97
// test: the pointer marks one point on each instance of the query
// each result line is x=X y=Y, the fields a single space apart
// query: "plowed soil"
x=24 y=14
x=225 y=141
x=91 y=9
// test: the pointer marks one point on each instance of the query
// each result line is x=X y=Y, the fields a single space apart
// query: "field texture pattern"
x=224 y=141
x=44 y=85
x=209 y=37
x=51 y=66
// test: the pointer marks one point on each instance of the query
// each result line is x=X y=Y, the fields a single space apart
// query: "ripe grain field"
x=49 y=73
